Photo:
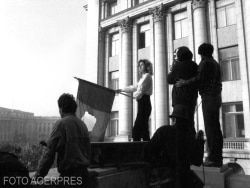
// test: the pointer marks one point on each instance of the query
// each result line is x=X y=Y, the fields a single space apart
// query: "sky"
x=42 y=47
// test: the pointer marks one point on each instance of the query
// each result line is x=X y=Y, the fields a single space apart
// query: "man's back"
x=210 y=77
x=70 y=140
x=74 y=148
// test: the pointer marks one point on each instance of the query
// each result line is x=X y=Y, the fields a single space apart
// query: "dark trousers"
x=210 y=107
x=140 y=129
x=183 y=141
x=190 y=122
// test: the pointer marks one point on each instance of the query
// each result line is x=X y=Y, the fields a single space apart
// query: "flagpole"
x=119 y=93
x=127 y=95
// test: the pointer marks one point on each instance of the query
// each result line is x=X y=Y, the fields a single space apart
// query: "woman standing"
x=143 y=89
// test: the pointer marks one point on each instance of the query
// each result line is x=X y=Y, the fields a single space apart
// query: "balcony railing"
x=236 y=144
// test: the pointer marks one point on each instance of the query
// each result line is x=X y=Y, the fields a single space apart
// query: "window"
x=144 y=36
x=128 y=3
x=136 y=2
x=233 y=120
x=115 y=45
x=229 y=60
x=112 y=8
x=180 y=25
x=113 y=129
x=114 y=80
x=226 y=15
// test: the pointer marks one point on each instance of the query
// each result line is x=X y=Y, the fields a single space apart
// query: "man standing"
x=210 y=87
x=70 y=141
x=210 y=90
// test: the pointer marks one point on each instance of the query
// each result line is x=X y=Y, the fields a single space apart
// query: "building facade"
x=124 y=31
x=23 y=127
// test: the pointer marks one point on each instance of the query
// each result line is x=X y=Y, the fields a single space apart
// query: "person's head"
x=183 y=53
x=145 y=66
x=206 y=50
x=180 y=112
x=67 y=104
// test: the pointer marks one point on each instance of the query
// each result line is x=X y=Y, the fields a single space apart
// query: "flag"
x=97 y=101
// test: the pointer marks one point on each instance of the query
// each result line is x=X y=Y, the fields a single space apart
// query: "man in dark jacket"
x=70 y=141
x=210 y=87
x=184 y=68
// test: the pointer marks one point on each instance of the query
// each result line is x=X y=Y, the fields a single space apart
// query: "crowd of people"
x=27 y=154
x=176 y=146
x=179 y=144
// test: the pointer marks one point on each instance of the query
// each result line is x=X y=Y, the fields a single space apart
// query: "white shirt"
x=143 y=87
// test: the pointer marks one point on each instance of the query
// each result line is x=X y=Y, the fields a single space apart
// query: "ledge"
x=132 y=12
x=238 y=181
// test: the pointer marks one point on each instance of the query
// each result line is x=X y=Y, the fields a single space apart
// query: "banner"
x=97 y=101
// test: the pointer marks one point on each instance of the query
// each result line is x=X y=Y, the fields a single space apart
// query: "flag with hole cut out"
x=97 y=101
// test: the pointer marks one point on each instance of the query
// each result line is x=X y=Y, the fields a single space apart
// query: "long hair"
x=183 y=53
x=148 y=65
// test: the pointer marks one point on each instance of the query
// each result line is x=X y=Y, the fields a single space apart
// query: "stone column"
x=133 y=3
x=200 y=27
x=247 y=27
x=190 y=26
x=244 y=56
x=107 y=53
x=213 y=28
x=103 y=9
x=152 y=125
x=90 y=73
x=200 y=36
x=136 y=76
x=125 y=109
x=246 y=4
x=170 y=52
x=160 y=68
x=101 y=61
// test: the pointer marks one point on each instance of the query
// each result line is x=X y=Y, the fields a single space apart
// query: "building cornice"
x=133 y=12
x=107 y=1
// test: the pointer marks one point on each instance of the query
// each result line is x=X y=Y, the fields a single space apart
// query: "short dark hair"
x=67 y=103
x=206 y=49
x=183 y=53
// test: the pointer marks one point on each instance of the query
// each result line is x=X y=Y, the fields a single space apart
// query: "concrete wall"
x=91 y=63
x=227 y=36
x=238 y=181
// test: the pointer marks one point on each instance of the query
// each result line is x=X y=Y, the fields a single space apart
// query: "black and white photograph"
x=125 y=93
